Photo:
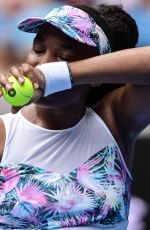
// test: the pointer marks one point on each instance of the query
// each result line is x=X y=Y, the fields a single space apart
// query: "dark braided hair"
x=122 y=32
x=122 y=28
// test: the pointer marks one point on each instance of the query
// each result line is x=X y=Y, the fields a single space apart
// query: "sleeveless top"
x=56 y=179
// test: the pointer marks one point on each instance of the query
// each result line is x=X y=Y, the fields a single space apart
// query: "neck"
x=55 y=119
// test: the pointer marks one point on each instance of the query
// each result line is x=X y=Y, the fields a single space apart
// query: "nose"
x=46 y=58
x=35 y=60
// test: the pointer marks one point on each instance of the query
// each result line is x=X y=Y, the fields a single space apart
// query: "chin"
x=48 y=104
x=59 y=100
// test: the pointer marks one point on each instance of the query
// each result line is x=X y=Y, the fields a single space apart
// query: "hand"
x=35 y=75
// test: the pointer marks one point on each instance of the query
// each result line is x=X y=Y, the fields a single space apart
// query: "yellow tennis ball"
x=20 y=94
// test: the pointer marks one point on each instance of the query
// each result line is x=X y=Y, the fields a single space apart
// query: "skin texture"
x=120 y=109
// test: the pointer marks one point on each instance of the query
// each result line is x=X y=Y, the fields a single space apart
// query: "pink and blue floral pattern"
x=96 y=192
x=74 y=22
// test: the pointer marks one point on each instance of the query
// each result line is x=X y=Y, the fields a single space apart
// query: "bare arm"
x=132 y=110
x=130 y=66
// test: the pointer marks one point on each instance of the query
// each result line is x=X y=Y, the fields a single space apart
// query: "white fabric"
x=54 y=82
x=57 y=150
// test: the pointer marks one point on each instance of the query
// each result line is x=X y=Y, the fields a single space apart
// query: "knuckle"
x=27 y=69
x=20 y=72
x=23 y=65
x=2 y=77
x=12 y=68
x=3 y=80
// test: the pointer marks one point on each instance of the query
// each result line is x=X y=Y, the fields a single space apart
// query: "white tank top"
x=57 y=150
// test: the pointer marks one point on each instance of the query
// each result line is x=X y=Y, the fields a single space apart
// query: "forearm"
x=130 y=66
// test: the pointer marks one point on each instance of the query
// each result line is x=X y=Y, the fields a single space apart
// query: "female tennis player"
x=66 y=158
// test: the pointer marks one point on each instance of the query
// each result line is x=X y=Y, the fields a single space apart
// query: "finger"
x=30 y=72
x=17 y=73
x=40 y=78
x=5 y=83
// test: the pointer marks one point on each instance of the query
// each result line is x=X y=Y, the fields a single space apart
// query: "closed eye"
x=65 y=58
x=38 y=51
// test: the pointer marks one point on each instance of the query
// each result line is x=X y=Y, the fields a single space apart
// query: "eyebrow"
x=38 y=38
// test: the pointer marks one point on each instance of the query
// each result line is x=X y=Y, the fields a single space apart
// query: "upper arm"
x=2 y=138
x=131 y=105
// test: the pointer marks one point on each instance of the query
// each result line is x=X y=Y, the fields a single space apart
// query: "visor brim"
x=32 y=25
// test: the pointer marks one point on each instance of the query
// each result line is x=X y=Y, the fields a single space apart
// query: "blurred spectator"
x=142 y=16
x=11 y=7
x=9 y=56
x=75 y=2
x=15 y=41
x=126 y=4
x=147 y=3
x=15 y=44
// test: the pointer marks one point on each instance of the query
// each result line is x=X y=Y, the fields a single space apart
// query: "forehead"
x=47 y=32
x=54 y=38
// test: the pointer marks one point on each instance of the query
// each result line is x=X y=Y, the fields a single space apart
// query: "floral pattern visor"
x=75 y=23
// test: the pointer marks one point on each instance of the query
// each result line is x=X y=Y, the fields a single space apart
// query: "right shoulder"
x=2 y=137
